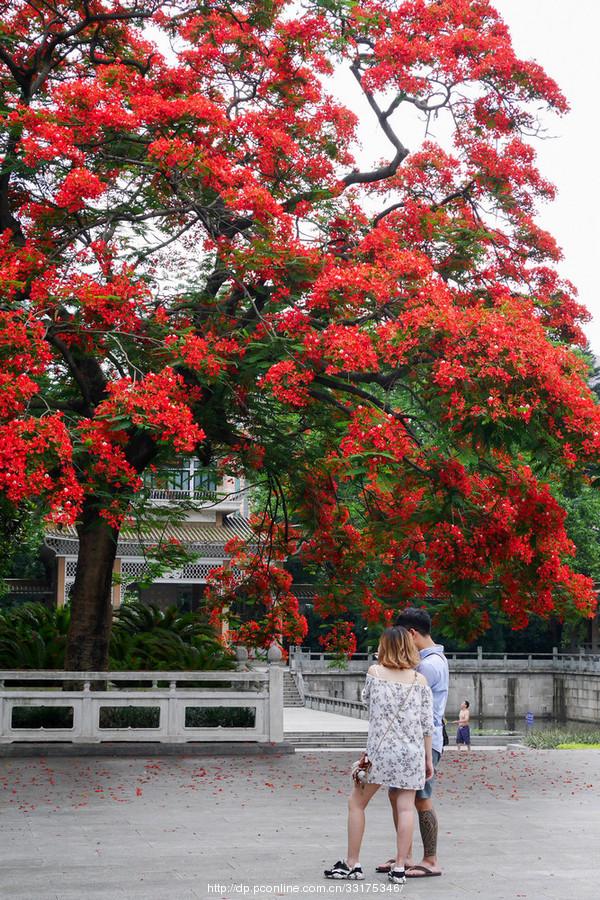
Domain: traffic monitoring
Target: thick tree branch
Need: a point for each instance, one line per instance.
(85, 370)
(347, 388)
(387, 171)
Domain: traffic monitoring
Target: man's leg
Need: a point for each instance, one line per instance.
(428, 827)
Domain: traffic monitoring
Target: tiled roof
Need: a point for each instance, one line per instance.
(305, 591)
(190, 533)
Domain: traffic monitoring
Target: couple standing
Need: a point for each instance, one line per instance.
(406, 693)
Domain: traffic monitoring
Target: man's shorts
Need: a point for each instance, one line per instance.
(427, 791)
(463, 735)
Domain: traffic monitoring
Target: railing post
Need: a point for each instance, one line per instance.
(88, 726)
(479, 653)
(300, 682)
(171, 711)
(275, 704)
(555, 653)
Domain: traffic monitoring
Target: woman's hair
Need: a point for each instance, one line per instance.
(397, 649)
(467, 704)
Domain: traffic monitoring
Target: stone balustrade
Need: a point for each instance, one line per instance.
(504, 686)
(88, 701)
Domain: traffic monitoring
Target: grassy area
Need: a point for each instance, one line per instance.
(564, 738)
(579, 746)
(480, 732)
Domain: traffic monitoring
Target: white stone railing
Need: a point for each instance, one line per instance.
(260, 691)
(302, 659)
(339, 705)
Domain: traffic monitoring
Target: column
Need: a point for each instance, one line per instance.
(60, 581)
(116, 587)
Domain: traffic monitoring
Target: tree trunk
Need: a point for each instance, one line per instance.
(91, 606)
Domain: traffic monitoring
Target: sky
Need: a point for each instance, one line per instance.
(563, 38)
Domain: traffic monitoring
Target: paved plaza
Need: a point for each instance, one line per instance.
(301, 718)
(513, 824)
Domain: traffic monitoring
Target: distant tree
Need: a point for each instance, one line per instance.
(21, 537)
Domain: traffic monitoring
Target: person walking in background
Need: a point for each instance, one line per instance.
(463, 732)
(434, 666)
(398, 754)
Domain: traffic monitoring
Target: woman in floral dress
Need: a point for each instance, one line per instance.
(398, 747)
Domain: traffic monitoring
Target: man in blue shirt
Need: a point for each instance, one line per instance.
(434, 666)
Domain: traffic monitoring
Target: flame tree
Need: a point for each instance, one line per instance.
(192, 261)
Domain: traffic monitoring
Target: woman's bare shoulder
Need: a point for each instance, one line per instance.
(372, 669)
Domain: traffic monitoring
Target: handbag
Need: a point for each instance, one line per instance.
(363, 765)
(361, 769)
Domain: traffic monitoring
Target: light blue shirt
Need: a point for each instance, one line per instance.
(434, 666)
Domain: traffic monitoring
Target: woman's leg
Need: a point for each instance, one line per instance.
(405, 807)
(357, 804)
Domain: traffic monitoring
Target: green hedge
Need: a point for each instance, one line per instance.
(33, 636)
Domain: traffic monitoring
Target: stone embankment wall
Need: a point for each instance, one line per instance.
(500, 690)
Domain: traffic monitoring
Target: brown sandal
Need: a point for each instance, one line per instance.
(427, 873)
(386, 867)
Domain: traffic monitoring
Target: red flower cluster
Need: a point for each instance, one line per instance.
(31, 449)
(340, 640)
(288, 383)
(376, 436)
(156, 403)
(79, 185)
(254, 601)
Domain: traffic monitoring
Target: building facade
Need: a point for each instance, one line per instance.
(215, 512)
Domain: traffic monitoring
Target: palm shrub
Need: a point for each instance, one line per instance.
(33, 636)
(146, 637)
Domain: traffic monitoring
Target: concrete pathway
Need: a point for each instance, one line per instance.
(300, 718)
(513, 824)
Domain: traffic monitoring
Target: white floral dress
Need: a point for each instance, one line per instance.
(397, 754)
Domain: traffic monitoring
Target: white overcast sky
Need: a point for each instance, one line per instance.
(563, 37)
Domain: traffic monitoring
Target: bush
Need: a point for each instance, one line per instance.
(226, 717)
(129, 717)
(552, 738)
(134, 717)
(33, 636)
(42, 717)
(143, 637)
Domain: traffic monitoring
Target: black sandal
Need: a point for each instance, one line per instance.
(341, 870)
(397, 875)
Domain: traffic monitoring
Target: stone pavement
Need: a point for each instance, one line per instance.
(513, 824)
(301, 718)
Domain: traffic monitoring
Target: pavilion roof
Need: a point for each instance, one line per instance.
(208, 538)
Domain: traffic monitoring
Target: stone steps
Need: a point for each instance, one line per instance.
(326, 739)
(358, 739)
(291, 694)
